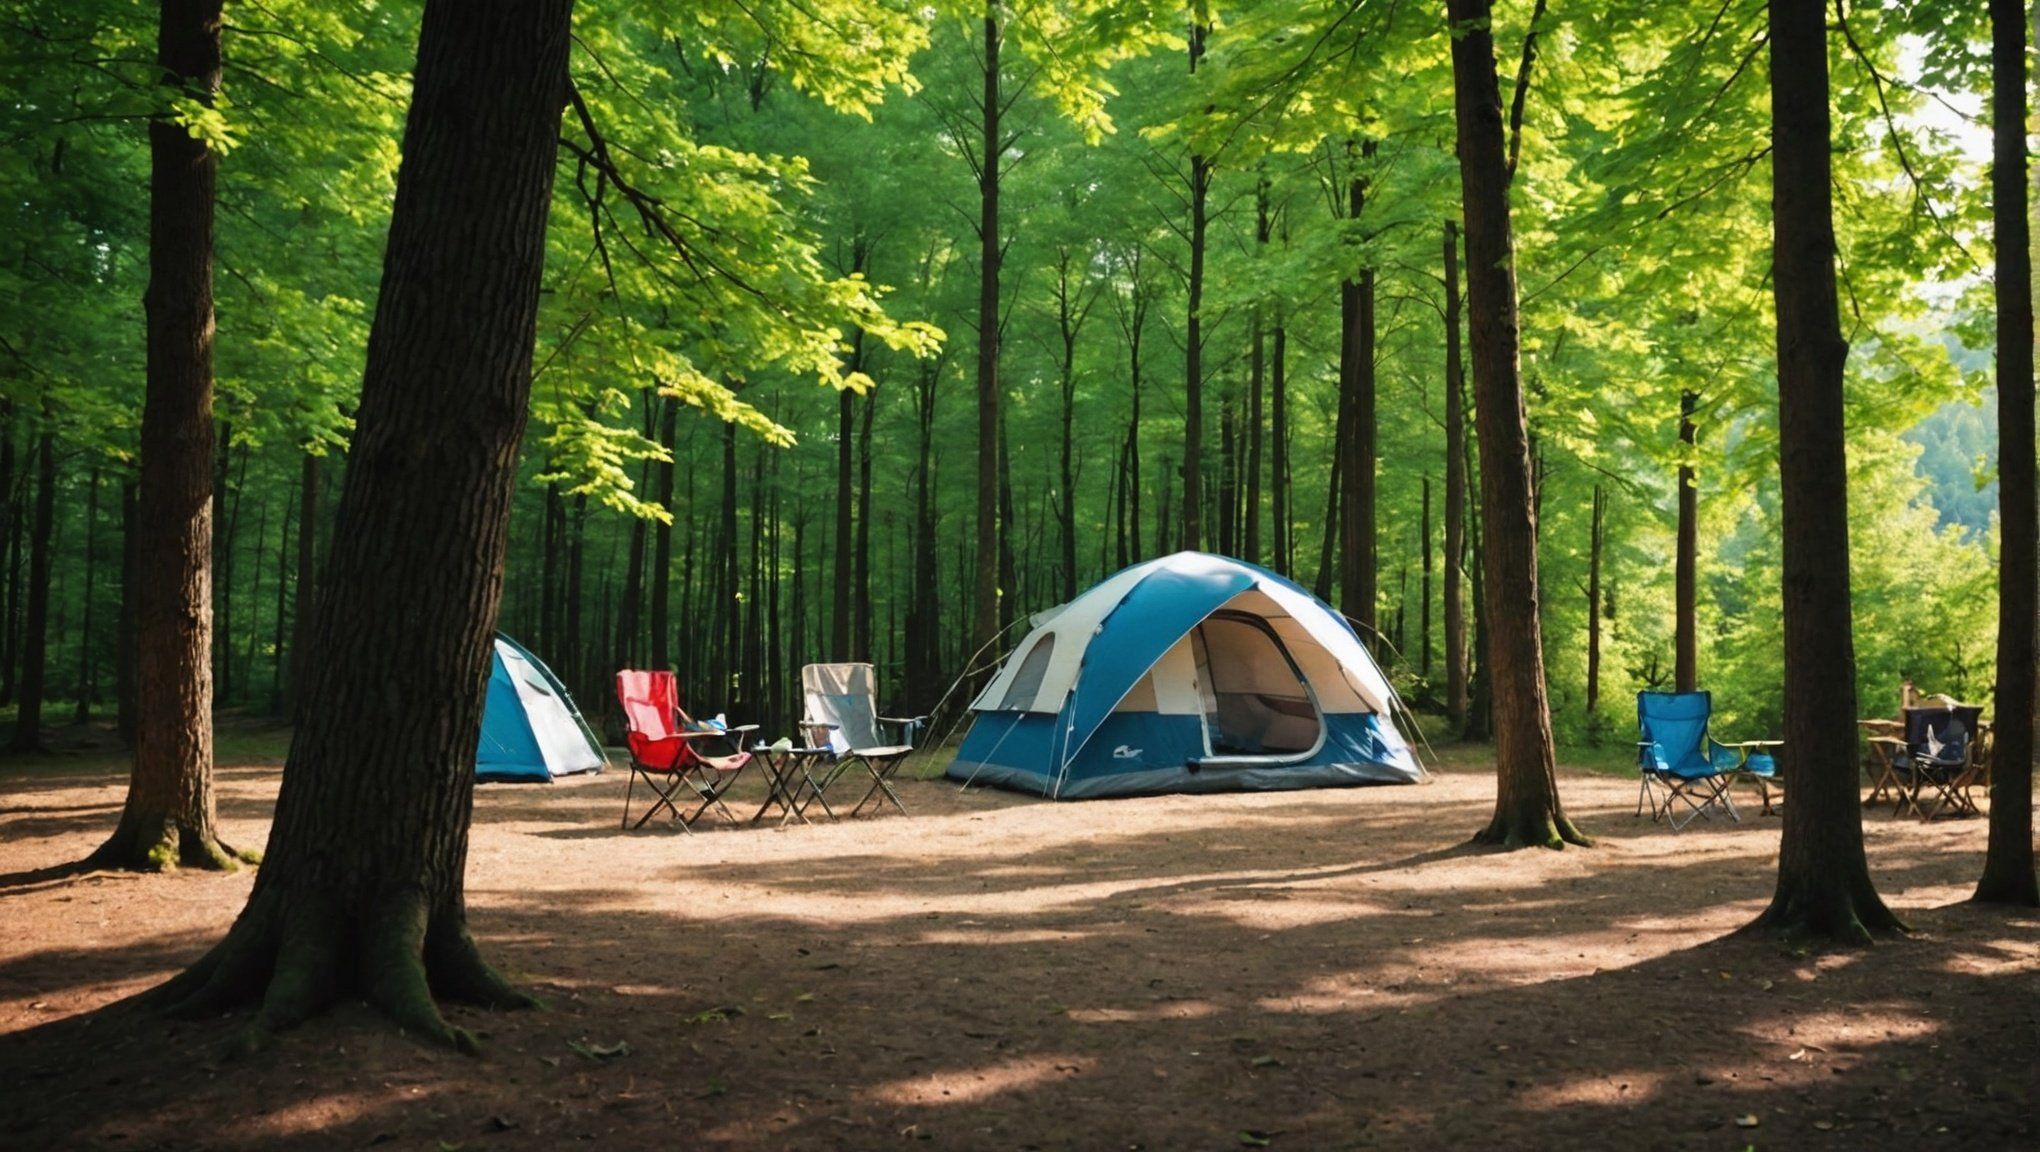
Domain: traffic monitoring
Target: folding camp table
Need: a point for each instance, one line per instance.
(789, 784)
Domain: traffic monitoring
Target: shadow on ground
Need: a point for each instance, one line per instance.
(1316, 970)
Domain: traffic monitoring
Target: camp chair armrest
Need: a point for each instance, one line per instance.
(716, 733)
(819, 724)
(902, 719)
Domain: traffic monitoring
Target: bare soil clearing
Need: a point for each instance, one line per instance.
(1324, 969)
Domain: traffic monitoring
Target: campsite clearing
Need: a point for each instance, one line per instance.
(1310, 969)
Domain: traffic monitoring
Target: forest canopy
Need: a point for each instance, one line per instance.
(754, 434)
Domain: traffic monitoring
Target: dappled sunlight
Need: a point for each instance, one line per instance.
(1864, 1025)
(1634, 1086)
(992, 937)
(973, 1085)
(1279, 909)
(1164, 1008)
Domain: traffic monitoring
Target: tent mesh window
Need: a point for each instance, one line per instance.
(1026, 683)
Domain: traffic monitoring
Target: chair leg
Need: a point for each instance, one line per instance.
(881, 787)
(664, 799)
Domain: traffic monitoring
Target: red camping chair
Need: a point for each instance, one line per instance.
(667, 749)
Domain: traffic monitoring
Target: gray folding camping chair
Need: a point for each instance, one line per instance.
(842, 716)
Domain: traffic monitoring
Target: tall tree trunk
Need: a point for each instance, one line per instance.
(36, 626)
(985, 608)
(1193, 333)
(662, 540)
(1426, 530)
(745, 702)
(1193, 367)
(1824, 886)
(222, 574)
(1455, 492)
(169, 815)
(2008, 876)
(280, 618)
(1480, 683)
(10, 629)
(1685, 582)
(728, 642)
(1328, 541)
(775, 713)
(10, 532)
(572, 649)
(1527, 808)
(552, 573)
(88, 682)
(1250, 535)
(1279, 490)
(305, 590)
(1226, 484)
(363, 885)
(254, 628)
(1070, 311)
(1009, 579)
(1598, 537)
(629, 635)
(860, 577)
(839, 569)
(1359, 575)
(125, 673)
(924, 618)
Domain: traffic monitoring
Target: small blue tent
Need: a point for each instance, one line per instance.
(531, 731)
(1191, 673)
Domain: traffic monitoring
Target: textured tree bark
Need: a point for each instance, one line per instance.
(88, 685)
(985, 610)
(629, 631)
(1480, 683)
(1455, 492)
(1193, 355)
(35, 626)
(168, 818)
(1193, 332)
(1250, 533)
(1425, 528)
(362, 887)
(1685, 578)
(1279, 491)
(726, 653)
(1359, 575)
(1069, 318)
(1824, 887)
(924, 619)
(124, 669)
(305, 589)
(1598, 536)
(2008, 876)
(1527, 808)
(860, 572)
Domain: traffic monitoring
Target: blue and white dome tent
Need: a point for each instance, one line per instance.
(1191, 673)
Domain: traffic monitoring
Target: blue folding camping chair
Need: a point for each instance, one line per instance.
(1679, 762)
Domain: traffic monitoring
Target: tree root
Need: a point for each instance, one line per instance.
(1550, 830)
(298, 962)
(164, 846)
(1842, 915)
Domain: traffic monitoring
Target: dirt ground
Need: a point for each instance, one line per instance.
(1326, 969)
